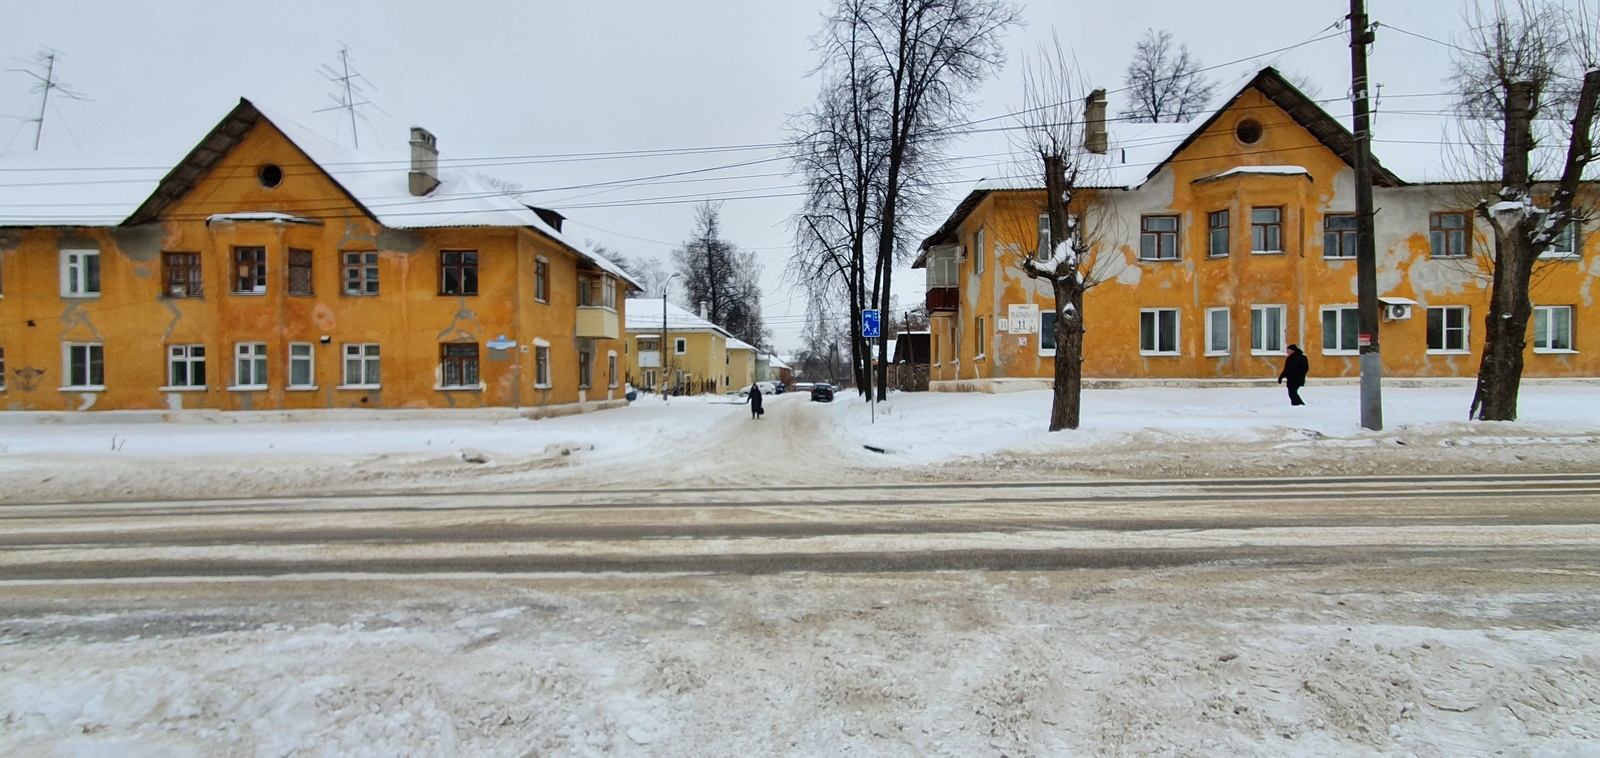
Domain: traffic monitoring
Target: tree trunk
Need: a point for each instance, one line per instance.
(1506, 324)
(1067, 398)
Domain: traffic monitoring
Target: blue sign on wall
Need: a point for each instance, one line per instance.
(870, 325)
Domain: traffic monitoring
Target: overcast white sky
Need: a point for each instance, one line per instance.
(540, 78)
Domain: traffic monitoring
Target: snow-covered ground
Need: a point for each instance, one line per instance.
(1156, 431)
(1430, 655)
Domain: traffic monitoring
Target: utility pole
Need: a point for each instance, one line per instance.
(1366, 248)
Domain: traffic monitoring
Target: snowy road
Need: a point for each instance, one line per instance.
(750, 530)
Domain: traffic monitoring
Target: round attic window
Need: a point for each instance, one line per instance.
(270, 175)
(1248, 131)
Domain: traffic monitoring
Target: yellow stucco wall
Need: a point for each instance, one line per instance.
(703, 360)
(1299, 278)
(135, 321)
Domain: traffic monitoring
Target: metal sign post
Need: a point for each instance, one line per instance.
(871, 328)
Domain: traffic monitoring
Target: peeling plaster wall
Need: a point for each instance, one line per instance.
(136, 322)
(1299, 279)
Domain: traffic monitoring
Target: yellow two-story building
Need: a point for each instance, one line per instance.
(700, 357)
(271, 269)
(1219, 243)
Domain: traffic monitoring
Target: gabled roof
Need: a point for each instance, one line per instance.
(1304, 111)
(644, 315)
(1135, 145)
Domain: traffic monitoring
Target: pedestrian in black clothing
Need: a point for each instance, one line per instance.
(1295, 368)
(755, 401)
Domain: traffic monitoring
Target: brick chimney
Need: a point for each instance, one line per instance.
(1095, 137)
(424, 161)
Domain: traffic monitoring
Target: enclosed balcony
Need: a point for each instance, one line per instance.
(944, 299)
(597, 306)
(944, 265)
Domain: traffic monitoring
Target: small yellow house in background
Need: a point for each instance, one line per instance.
(272, 269)
(1224, 240)
(701, 357)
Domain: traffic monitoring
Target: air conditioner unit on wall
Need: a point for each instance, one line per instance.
(1396, 312)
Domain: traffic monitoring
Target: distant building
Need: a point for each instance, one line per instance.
(698, 358)
(271, 269)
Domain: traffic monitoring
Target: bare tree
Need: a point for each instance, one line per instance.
(1065, 147)
(911, 65)
(648, 272)
(1530, 75)
(1164, 83)
(719, 276)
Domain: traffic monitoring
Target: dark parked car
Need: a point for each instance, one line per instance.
(822, 393)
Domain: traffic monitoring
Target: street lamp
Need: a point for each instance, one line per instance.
(665, 370)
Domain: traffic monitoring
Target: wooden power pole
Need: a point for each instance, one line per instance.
(1366, 248)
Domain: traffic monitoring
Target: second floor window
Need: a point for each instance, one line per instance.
(1447, 235)
(979, 251)
(182, 274)
(1044, 251)
(1266, 230)
(1217, 222)
(361, 273)
(1158, 238)
(1339, 235)
(80, 273)
(299, 272)
(596, 290)
(541, 280)
(250, 270)
(458, 272)
(1565, 245)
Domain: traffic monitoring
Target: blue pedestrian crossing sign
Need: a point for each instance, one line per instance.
(870, 325)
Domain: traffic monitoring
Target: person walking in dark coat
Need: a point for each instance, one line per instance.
(1295, 368)
(755, 401)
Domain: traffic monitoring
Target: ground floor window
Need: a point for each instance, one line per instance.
(1341, 328)
(1047, 332)
(541, 366)
(1552, 328)
(458, 365)
(1266, 329)
(585, 368)
(649, 379)
(361, 364)
(1218, 324)
(2, 369)
(186, 365)
(1447, 329)
(302, 369)
(1158, 331)
(84, 365)
(250, 365)
(611, 370)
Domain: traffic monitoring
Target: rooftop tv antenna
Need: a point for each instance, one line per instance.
(349, 95)
(47, 83)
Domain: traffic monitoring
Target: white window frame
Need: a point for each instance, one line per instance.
(69, 368)
(1572, 237)
(1177, 331)
(306, 353)
(611, 368)
(1212, 332)
(978, 251)
(1258, 341)
(75, 270)
(187, 357)
(1338, 333)
(541, 279)
(981, 334)
(1047, 315)
(1548, 342)
(1044, 252)
(249, 358)
(368, 357)
(680, 346)
(1444, 330)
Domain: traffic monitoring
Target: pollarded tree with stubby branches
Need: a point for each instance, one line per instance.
(1164, 82)
(1529, 76)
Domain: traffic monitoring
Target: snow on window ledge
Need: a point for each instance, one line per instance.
(479, 387)
(1443, 352)
(301, 387)
(85, 388)
(1152, 353)
(357, 386)
(182, 388)
(246, 387)
(1553, 351)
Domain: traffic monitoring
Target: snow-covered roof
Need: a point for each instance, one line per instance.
(1268, 170)
(59, 189)
(644, 315)
(734, 343)
(774, 361)
(282, 218)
